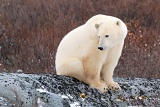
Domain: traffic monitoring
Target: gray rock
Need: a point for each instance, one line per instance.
(31, 90)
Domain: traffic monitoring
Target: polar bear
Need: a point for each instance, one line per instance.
(91, 52)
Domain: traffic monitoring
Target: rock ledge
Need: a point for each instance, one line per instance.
(32, 90)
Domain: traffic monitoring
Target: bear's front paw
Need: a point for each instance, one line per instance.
(100, 86)
(114, 86)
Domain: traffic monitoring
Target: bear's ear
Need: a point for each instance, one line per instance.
(97, 26)
(118, 22)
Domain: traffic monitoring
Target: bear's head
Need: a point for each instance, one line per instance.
(110, 33)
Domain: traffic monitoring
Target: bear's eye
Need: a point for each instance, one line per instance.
(107, 36)
(98, 36)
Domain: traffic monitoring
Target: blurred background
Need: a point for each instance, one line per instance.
(30, 31)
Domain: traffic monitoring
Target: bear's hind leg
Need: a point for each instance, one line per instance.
(72, 67)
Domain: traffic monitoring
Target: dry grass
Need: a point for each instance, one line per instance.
(31, 30)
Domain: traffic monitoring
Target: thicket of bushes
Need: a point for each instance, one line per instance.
(30, 31)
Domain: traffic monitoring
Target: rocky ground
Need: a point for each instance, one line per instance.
(32, 90)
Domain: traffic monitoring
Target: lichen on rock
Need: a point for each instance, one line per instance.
(43, 90)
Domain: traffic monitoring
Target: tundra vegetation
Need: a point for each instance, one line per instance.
(30, 31)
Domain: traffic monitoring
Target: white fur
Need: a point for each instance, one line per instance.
(78, 54)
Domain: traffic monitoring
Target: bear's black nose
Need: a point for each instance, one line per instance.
(100, 48)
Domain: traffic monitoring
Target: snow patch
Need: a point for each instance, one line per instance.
(68, 96)
(19, 71)
(75, 104)
(42, 90)
(40, 102)
(64, 96)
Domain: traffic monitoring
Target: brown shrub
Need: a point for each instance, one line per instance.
(31, 30)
